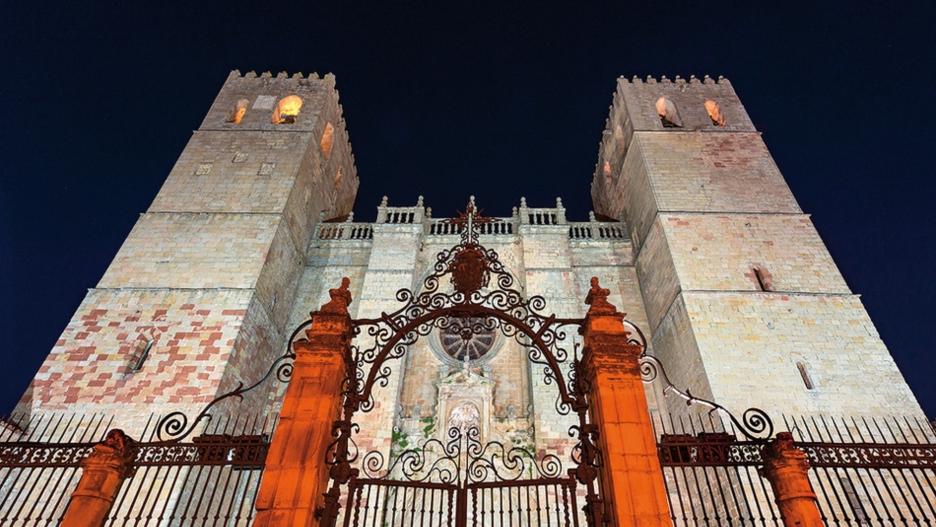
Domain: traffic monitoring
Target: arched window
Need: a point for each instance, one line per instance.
(804, 373)
(287, 109)
(240, 109)
(328, 137)
(668, 114)
(714, 113)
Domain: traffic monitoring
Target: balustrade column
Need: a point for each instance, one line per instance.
(296, 476)
(102, 474)
(786, 468)
(631, 477)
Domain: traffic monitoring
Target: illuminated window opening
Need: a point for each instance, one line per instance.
(668, 114)
(287, 110)
(240, 109)
(328, 137)
(714, 113)
(804, 373)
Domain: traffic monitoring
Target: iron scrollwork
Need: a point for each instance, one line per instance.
(462, 458)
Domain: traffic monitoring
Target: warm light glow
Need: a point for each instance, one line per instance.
(287, 109)
(714, 113)
(667, 112)
(328, 137)
(240, 109)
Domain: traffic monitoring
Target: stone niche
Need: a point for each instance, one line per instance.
(465, 400)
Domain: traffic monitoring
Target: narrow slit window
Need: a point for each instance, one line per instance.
(763, 279)
(804, 373)
(142, 353)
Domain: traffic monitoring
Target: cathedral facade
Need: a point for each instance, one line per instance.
(694, 232)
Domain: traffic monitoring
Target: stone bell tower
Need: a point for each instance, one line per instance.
(198, 297)
(744, 302)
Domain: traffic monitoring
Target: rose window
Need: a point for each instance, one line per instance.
(469, 340)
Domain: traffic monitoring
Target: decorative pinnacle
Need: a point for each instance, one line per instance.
(340, 299)
(384, 201)
(591, 216)
(523, 202)
(558, 203)
(471, 202)
(419, 201)
(350, 217)
(597, 299)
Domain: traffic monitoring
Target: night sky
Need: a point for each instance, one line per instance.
(98, 100)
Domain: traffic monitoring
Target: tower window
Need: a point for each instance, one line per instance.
(140, 355)
(287, 109)
(328, 137)
(714, 113)
(668, 114)
(804, 373)
(240, 109)
(764, 280)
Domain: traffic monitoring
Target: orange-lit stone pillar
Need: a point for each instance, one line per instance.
(295, 475)
(631, 478)
(102, 474)
(786, 468)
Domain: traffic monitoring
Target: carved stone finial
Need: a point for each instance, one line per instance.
(597, 299)
(419, 201)
(428, 212)
(340, 299)
(522, 202)
(115, 451)
(471, 202)
(558, 203)
(350, 217)
(782, 452)
(384, 201)
(591, 216)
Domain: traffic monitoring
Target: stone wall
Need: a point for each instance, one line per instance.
(740, 291)
(209, 273)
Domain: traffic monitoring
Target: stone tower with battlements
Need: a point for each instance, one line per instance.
(744, 302)
(198, 297)
(697, 236)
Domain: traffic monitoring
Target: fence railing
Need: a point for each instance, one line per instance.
(864, 471)
(211, 480)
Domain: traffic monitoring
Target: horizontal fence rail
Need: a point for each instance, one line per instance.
(212, 480)
(871, 471)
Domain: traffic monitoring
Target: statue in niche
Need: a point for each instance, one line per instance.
(464, 417)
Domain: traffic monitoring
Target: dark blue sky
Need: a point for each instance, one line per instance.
(98, 99)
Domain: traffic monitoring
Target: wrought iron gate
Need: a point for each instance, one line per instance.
(459, 482)
(483, 298)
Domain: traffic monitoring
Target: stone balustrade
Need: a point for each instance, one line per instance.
(499, 226)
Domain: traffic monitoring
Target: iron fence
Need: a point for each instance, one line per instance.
(865, 471)
(211, 480)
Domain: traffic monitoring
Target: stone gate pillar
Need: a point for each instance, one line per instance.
(295, 475)
(102, 474)
(786, 468)
(631, 477)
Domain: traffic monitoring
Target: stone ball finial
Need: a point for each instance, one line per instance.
(419, 201)
(523, 202)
